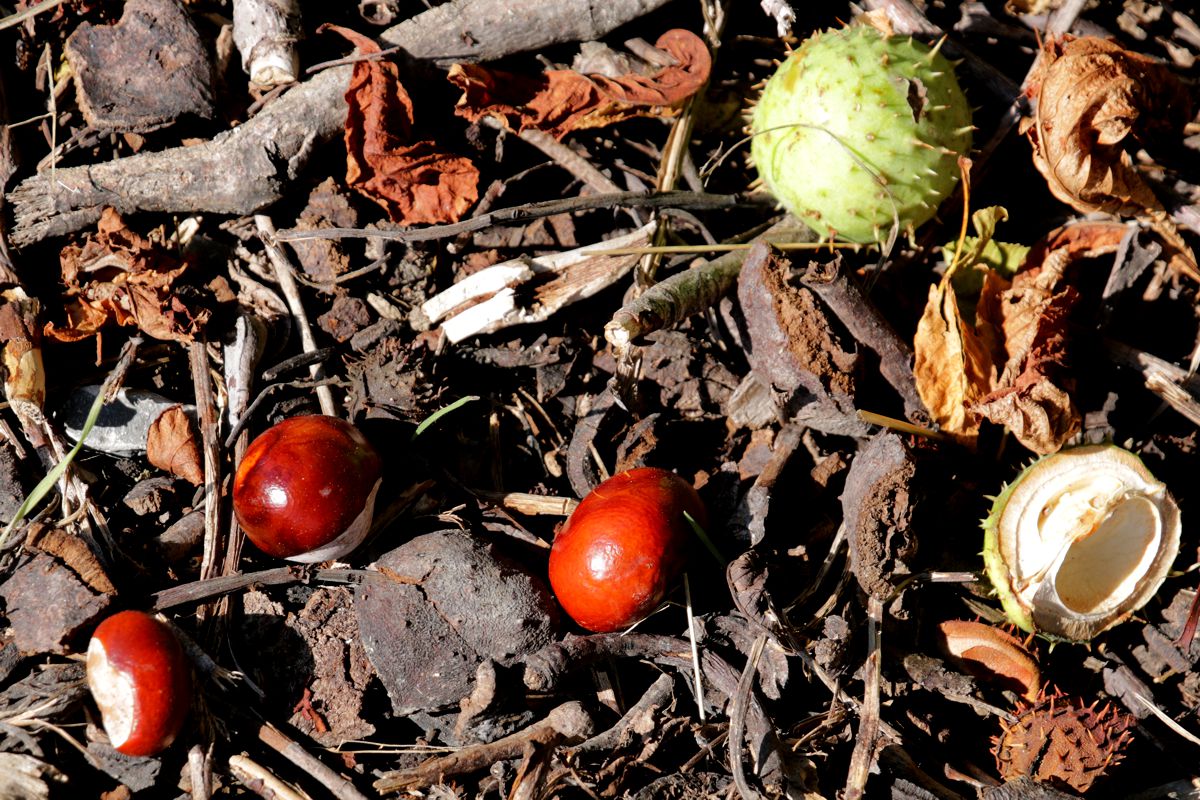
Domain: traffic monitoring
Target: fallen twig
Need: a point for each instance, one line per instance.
(529, 211)
(1173, 384)
(689, 292)
(570, 722)
(868, 713)
(285, 273)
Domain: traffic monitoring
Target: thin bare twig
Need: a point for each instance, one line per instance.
(286, 275)
(529, 211)
(339, 786)
(868, 713)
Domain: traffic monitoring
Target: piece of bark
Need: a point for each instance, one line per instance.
(1024, 789)
(26, 777)
(451, 601)
(862, 319)
(486, 30)
(137, 772)
(24, 369)
(793, 346)
(142, 73)
(47, 606)
(248, 168)
(12, 487)
(878, 507)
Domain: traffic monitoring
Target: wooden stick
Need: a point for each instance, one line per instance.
(286, 275)
(338, 785)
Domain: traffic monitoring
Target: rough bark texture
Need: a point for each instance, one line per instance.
(878, 506)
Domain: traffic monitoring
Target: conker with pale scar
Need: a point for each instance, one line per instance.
(624, 547)
(305, 490)
(139, 677)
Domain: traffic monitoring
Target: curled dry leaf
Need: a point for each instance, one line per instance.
(415, 181)
(560, 101)
(1091, 95)
(1010, 365)
(121, 276)
(991, 654)
(171, 445)
(1032, 393)
(953, 364)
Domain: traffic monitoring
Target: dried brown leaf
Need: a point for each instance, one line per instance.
(1031, 396)
(415, 181)
(560, 101)
(991, 654)
(121, 276)
(953, 364)
(172, 445)
(1090, 95)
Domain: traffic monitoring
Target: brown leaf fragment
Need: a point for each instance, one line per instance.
(1030, 400)
(560, 101)
(172, 445)
(1091, 96)
(119, 275)
(415, 181)
(1031, 396)
(991, 654)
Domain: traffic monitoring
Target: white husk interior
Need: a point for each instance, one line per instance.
(1091, 525)
(113, 692)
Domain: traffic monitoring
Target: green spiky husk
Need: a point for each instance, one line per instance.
(997, 570)
(855, 126)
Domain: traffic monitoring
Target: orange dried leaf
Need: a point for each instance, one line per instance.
(119, 275)
(1091, 95)
(991, 654)
(415, 181)
(560, 101)
(172, 445)
(953, 365)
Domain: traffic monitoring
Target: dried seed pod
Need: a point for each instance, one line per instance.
(1060, 741)
(1079, 541)
(991, 654)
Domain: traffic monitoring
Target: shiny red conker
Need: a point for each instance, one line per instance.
(623, 548)
(305, 490)
(140, 680)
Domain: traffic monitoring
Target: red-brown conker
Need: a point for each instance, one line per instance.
(140, 680)
(623, 547)
(305, 490)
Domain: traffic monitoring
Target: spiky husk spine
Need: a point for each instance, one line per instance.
(856, 130)
(1060, 741)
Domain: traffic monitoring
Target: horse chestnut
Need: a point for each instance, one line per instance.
(623, 547)
(139, 678)
(305, 490)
